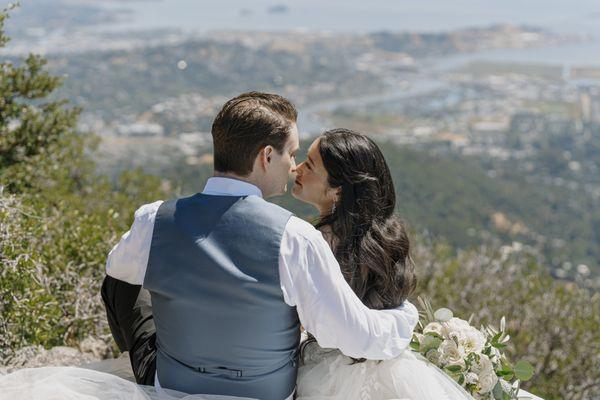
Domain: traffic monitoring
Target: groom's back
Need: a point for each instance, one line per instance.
(222, 324)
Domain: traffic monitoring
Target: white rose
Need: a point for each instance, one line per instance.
(456, 336)
(458, 324)
(433, 327)
(487, 381)
(487, 376)
(472, 340)
(451, 353)
(453, 327)
(471, 378)
(484, 365)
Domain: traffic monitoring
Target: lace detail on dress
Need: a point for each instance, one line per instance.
(371, 387)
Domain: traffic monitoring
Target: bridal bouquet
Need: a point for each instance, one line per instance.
(472, 357)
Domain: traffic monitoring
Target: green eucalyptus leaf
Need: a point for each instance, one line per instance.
(443, 315)
(495, 338)
(453, 368)
(506, 374)
(497, 392)
(523, 370)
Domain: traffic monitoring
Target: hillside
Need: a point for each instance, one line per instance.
(451, 198)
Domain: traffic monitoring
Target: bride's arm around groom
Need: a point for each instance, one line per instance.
(327, 306)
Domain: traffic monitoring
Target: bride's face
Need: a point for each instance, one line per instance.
(311, 185)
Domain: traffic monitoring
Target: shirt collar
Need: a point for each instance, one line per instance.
(219, 186)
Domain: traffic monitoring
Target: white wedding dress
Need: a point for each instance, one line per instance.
(328, 374)
(105, 380)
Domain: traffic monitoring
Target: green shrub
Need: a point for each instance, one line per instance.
(553, 324)
(58, 217)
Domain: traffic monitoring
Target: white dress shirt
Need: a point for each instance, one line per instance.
(310, 278)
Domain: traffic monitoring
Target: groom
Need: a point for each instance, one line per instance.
(231, 276)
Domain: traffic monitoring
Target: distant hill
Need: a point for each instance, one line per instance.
(454, 199)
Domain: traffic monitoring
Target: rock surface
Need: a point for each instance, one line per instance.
(90, 350)
(98, 348)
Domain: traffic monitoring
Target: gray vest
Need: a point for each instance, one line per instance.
(213, 275)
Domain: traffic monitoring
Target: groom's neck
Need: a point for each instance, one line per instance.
(249, 178)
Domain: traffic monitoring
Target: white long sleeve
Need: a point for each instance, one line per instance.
(328, 308)
(128, 259)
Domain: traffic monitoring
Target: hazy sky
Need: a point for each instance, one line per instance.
(347, 15)
(580, 16)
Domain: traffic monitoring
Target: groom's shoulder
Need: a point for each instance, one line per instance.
(267, 206)
(147, 210)
(295, 227)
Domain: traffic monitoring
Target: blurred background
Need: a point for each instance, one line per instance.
(488, 114)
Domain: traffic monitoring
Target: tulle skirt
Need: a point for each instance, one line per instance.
(72, 383)
(328, 374)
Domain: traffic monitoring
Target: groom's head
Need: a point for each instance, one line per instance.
(255, 137)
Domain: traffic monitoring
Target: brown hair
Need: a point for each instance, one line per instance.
(373, 246)
(246, 124)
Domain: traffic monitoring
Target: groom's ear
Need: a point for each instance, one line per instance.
(265, 156)
(268, 153)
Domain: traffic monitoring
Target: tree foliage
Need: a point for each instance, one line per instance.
(553, 324)
(58, 217)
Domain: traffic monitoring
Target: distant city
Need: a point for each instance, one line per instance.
(459, 93)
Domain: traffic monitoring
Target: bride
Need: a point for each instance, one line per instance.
(345, 176)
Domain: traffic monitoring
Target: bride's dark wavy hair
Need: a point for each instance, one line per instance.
(371, 242)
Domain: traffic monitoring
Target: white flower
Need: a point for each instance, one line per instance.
(457, 324)
(454, 335)
(451, 354)
(433, 327)
(483, 365)
(471, 377)
(487, 381)
(471, 339)
(487, 376)
(433, 356)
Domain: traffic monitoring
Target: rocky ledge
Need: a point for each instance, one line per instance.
(90, 350)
